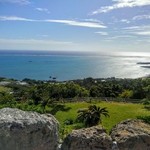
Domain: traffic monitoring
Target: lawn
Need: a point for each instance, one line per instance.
(117, 112)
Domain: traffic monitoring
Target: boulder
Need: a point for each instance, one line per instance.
(94, 138)
(132, 135)
(21, 130)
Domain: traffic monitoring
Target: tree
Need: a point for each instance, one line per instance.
(95, 91)
(147, 92)
(126, 94)
(92, 115)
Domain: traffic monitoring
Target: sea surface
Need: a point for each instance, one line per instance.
(44, 65)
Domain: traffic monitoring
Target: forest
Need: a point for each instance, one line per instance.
(34, 92)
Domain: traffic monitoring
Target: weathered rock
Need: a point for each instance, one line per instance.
(20, 130)
(132, 135)
(94, 138)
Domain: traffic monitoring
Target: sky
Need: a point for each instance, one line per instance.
(75, 25)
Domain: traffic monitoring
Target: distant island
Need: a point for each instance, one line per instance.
(145, 66)
(143, 63)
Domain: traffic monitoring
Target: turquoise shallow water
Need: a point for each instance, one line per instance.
(67, 66)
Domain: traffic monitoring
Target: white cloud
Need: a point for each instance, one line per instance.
(124, 21)
(14, 18)
(102, 33)
(140, 17)
(122, 4)
(43, 10)
(93, 20)
(67, 22)
(147, 33)
(120, 36)
(132, 28)
(139, 30)
(79, 23)
(21, 2)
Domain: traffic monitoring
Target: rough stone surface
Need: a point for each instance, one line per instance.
(132, 135)
(94, 138)
(20, 130)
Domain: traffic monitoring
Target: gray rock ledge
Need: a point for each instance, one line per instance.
(22, 130)
(132, 135)
(94, 138)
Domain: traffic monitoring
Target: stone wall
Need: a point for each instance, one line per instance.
(127, 135)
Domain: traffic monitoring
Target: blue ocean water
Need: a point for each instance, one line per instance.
(41, 65)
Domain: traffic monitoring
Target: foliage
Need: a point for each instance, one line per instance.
(147, 107)
(146, 101)
(59, 107)
(7, 99)
(126, 94)
(147, 91)
(144, 118)
(45, 92)
(113, 87)
(68, 121)
(4, 89)
(92, 115)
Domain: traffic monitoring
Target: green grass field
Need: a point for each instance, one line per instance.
(117, 111)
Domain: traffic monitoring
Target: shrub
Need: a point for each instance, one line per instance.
(144, 118)
(68, 121)
(92, 115)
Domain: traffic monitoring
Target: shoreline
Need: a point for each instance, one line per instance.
(5, 80)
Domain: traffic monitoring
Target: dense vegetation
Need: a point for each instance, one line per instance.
(49, 97)
(36, 95)
(44, 92)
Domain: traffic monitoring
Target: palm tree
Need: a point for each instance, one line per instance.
(92, 115)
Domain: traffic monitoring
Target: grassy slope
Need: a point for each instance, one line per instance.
(117, 112)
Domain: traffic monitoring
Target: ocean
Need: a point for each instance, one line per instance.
(44, 65)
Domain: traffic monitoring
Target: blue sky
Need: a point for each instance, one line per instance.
(75, 25)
